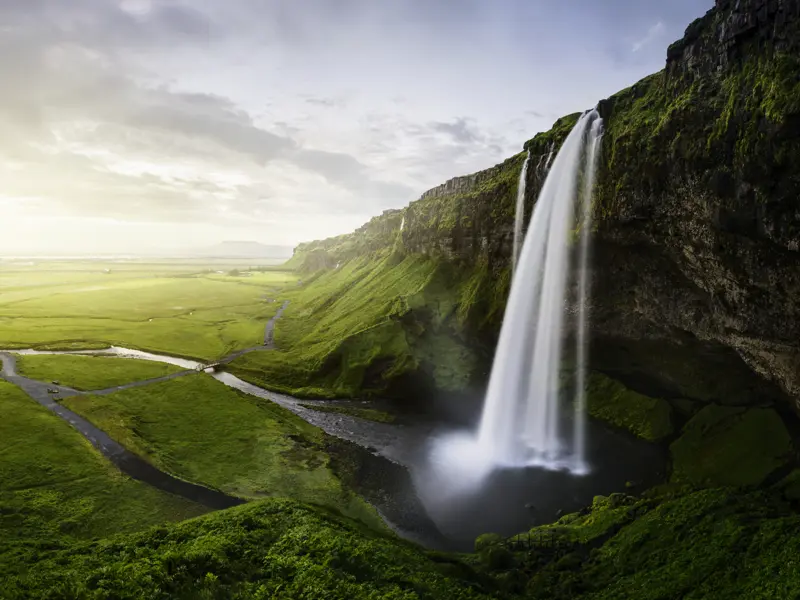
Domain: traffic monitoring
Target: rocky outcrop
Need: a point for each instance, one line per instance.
(463, 185)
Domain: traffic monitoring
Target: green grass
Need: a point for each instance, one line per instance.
(270, 550)
(355, 330)
(579, 528)
(91, 372)
(645, 417)
(715, 544)
(55, 487)
(162, 308)
(730, 446)
(200, 430)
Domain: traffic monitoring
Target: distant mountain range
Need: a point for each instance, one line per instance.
(244, 249)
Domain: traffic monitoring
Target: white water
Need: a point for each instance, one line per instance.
(520, 214)
(522, 422)
(592, 154)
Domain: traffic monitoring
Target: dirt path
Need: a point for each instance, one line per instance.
(125, 460)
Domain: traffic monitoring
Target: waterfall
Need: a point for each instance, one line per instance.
(520, 214)
(522, 419)
(592, 154)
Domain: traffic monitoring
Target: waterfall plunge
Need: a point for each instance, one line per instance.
(522, 422)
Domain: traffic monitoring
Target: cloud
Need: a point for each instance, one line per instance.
(461, 130)
(653, 34)
(288, 119)
(325, 102)
(96, 139)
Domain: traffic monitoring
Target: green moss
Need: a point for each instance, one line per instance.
(270, 549)
(715, 544)
(606, 514)
(666, 126)
(697, 546)
(551, 140)
(645, 417)
(730, 446)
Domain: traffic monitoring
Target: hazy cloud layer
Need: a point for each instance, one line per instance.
(283, 121)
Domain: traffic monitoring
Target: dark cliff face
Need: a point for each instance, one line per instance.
(699, 199)
(696, 276)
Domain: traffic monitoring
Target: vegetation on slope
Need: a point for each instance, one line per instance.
(272, 549)
(358, 329)
(718, 132)
(91, 372)
(203, 431)
(712, 544)
(55, 488)
(735, 125)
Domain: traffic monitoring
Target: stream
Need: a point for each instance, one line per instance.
(396, 456)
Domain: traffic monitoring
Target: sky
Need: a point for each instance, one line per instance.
(156, 125)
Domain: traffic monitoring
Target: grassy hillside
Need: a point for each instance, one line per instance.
(713, 544)
(55, 488)
(205, 432)
(91, 372)
(363, 327)
(272, 549)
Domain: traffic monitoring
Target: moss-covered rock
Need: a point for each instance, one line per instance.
(610, 401)
(730, 446)
(487, 540)
(712, 544)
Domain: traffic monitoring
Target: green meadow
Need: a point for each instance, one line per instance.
(202, 431)
(55, 488)
(91, 372)
(187, 310)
